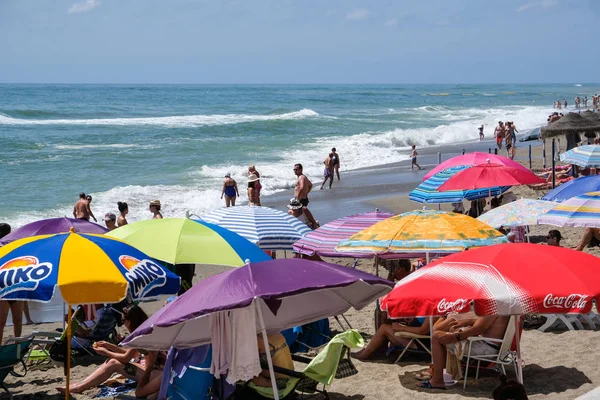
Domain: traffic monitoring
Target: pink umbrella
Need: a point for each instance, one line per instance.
(475, 158)
(488, 176)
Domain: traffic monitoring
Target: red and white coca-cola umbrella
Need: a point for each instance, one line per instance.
(504, 279)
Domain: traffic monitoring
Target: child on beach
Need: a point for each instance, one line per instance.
(414, 158)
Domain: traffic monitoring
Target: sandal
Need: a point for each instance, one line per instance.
(427, 385)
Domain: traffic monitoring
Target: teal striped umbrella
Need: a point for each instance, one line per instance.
(583, 156)
(427, 191)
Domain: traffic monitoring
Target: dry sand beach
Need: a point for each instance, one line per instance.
(558, 365)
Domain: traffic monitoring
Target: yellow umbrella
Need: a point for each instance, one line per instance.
(86, 268)
(423, 231)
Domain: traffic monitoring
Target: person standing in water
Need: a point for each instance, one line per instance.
(328, 171)
(336, 163)
(89, 207)
(253, 196)
(257, 185)
(155, 209)
(481, 135)
(123, 209)
(80, 209)
(110, 220)
(414, 158)
(230, 190)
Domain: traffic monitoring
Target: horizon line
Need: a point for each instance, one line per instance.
(292, 83)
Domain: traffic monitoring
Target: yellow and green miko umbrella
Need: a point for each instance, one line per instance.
(188, 241)
(86, 268)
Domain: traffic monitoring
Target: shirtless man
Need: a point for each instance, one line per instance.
(80, 209)
(303, 186)
(499, 134)
(447, 332)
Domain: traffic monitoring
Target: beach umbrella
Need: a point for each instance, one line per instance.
(507, 279)
(574, 187)
(580, 211)
(427, 191)
(584, 156)
(283, 293)
(570, 123)
(470, 159)
(187, 241)
(517, 213)
(86, 269)
(267, 228)
(488, 176)
(323, 240)
(423, 231)
(52, 226)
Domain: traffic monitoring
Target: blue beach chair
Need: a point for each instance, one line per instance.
(11, 355)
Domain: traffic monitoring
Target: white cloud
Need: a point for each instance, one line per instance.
(358, 14)
(537, 5)
(391, 22)
(83, 6)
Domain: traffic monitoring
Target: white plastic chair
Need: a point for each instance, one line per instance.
(505, 355)
(553, 320)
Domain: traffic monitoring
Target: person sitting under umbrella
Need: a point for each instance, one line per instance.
(591, 236)
(119, 360)
(554, 237)
(451, 336)
(281, 357)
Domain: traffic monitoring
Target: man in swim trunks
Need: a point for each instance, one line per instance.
(80, 209)
(303, 186)
(336, 162)
(499, 134)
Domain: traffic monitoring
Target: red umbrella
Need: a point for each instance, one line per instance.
(489, 175)
(475, 158)
(505, 279)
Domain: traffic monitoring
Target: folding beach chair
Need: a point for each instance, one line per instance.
(334, 361)
(418, 340)
(12, 354)
(506, 354)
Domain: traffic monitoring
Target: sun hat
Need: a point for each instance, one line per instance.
(155, 203)
(294, 204)
(228, 175)
(110, 217)
(253, 178)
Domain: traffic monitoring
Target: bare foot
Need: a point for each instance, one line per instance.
(361, 355)
(73, 390)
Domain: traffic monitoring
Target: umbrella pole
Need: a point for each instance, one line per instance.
(519, 363)
(68, 360)
(267, 352)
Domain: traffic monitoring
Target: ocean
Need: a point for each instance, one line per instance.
(136, 143)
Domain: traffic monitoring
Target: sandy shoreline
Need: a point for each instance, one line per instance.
(558, 365)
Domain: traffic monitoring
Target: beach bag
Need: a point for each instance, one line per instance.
(345, 368)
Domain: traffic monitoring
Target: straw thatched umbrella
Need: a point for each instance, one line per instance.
(571, 123)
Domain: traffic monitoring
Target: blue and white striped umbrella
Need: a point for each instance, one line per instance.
(427, 191)
(269, 229)
(583, 156)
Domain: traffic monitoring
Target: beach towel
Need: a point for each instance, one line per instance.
(324, 366)
(115, 388)
(245, 363)
(220, 330)
(453, 358)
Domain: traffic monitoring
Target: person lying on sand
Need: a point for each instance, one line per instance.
(448, 333)
(146, 370)
(591, 236)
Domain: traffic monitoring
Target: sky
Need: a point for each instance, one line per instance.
(299, 41)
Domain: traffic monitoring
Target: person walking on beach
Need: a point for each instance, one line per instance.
(499, 134)
(481, 135)
(123, 209)
(414, 158)
(155, 209)
(257, 184)
(80, 209)
(303, 185)
(336, 162)
(230, 190)
(253, 196)
(110, 220)
(328, 171)
(89, 207)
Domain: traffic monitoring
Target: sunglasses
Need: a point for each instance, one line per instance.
(296, 169)
(550, 237)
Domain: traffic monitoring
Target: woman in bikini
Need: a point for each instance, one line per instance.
(281, 356)
(123, 210)
(155, 209)
(253, 193)
(119, 359)
(230, 190)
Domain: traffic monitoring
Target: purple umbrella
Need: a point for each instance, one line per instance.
(53, 226)
(292, 291)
